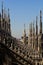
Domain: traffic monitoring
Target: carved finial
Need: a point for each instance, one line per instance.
(40, 21)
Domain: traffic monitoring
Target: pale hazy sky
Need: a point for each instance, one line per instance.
(22, 11)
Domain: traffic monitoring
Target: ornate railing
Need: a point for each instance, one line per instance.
(14, 56)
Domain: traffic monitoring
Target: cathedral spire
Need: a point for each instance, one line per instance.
(2, 9)
(0, 15)
(33, 36)
(33, 29)
(24, 34)
(8, 13)
(40, 22)
(36, 37)
(30, 34)
(36, 26)
(24, 30)
(9, 21)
